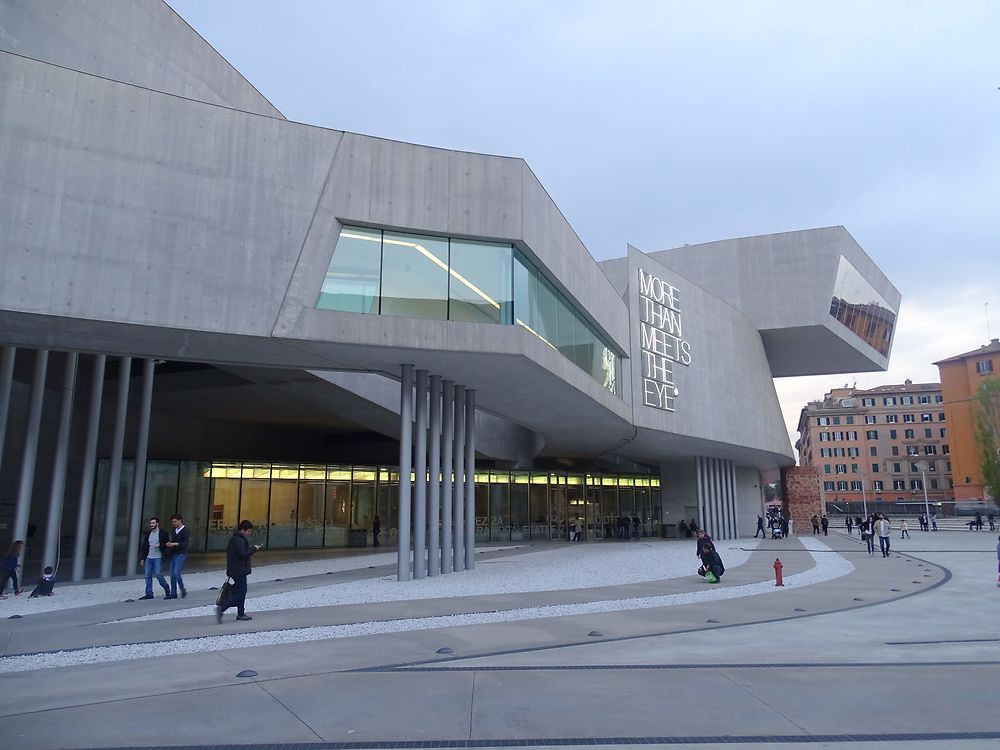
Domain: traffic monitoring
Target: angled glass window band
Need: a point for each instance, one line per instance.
(480, 285)
(375, 271)
(352, 280)
(414, 276)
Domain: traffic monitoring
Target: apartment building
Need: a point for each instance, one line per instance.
(883, 446)
(961, 378)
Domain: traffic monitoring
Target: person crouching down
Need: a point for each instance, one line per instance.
(711, 564)
(44, 587)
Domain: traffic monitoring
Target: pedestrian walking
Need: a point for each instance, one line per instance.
(933, 520)
(998, 561)
(376, 530)
(904, 532)
(868, 534)
(760, 527)
(824, 523)
(991, 517)
(154, 547)
(11, 562)
(882, 528)
(815, 523)
(238, 555)
(979, 521)
(850, 524)
(180, 539)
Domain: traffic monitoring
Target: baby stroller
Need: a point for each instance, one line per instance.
(776, 530)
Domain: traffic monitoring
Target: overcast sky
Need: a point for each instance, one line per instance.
(663, 123)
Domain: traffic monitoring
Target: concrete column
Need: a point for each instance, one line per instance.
(458, 495)
(27, 482)
(57, 490)
(434, 488)
(89, 464)
(139, 475)
(6, 381)
(447, 469)
(420, 488)
(405, 463)
(115, 470)
(470, 479)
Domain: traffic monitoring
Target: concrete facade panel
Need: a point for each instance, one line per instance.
(140, 42)
(132, 206)
(726, 395)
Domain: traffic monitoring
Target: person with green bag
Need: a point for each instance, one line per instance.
(711, 564)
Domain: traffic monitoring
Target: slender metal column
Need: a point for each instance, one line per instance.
(434, 488)
(139, 476)
(6, 381)
(115, 472)
(458, 495)
(27, 482)
(447, 468)
(470, 479)
(420, 488)
(53, 526)
(405, 462)
(89, 464)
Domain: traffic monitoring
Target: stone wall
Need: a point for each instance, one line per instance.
(800, 490)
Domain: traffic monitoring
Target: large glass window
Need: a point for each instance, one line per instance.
(480, 285)
(419, 276)
(352, 280)
(253, 498)
(312, 482)
(284, 499)
(414, 276)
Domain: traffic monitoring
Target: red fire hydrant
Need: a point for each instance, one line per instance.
(777, 572)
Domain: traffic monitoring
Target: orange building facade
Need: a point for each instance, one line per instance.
(961, 377)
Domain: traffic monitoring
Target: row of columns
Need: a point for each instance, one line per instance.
(717, 497)
(57, 487)
(437, 443)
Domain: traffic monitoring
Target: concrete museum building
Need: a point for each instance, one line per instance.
(209, 309)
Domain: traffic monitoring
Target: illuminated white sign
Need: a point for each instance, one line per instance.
(661, 340)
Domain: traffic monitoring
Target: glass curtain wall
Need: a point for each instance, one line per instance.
(306, 505)
(439, 278)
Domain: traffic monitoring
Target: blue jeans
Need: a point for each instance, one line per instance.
(154, 567)
(176, 566)
(883, 543)
(239, 596)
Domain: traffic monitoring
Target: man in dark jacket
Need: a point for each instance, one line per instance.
(238, 555)
(711, 564)
(154, 550)
(180, 538)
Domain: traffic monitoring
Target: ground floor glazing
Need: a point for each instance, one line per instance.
(309, 505)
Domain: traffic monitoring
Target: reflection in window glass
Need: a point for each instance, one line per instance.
(352, 280)
(480, 284)
(414, 276)
(310, 506)
(284, 499)
(253, 499)
(864, 311)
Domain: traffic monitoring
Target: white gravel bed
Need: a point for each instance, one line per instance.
(88, 594)
(575, 566)
(827, 567)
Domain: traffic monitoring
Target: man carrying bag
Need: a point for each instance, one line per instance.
(238, 555)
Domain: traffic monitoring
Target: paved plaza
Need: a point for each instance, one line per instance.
(856, 652)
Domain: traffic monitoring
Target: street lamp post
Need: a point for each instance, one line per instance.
(923, 483)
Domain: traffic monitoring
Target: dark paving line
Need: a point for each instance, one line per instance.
(570, 644)
(782, 665)
(930, 643)
(597, 741)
